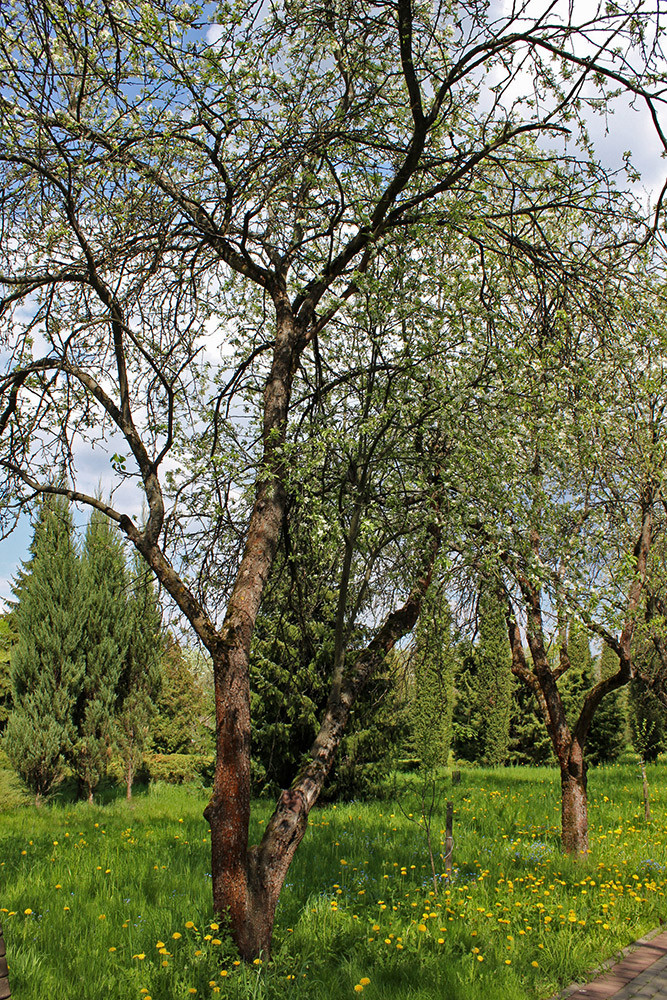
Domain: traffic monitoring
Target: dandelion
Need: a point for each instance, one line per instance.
(216, 941)
(27, 912)
(190, 924)
(535, 965)
(214, 927)
(364, 981)
(112, 948)
(141, 956)
(358, 988)
(176, 935)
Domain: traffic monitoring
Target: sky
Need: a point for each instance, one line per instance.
(625, 129)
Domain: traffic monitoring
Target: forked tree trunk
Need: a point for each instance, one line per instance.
(247, 881)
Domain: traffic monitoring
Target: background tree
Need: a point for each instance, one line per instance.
(140, 679)
(433, 666)
(135, 224)
(608, 737)
(494, 677)
(181, 707)
(8, 638)
(47, 665)
(106, 625)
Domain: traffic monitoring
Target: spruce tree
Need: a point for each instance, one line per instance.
(8, 638)
(106, 619)
(47, 665)
(433, 663)
(140, 679)
(607, 736)
(494, 677)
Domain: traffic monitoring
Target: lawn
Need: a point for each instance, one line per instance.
(115, 900)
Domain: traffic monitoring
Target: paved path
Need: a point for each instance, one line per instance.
(640, 975)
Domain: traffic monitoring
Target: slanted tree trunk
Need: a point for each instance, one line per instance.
(4, 970)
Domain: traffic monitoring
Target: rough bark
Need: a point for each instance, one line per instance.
(4, 970)
(574, 802)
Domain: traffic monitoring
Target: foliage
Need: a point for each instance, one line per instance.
(179, 726)
(140, 679)
(494, 678)
(529, 741)
(648, 724)
(8, 638)
(433, 664)
(47, 665)
(105, 616)
(607, 737)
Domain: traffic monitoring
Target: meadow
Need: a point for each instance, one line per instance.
(114, 900)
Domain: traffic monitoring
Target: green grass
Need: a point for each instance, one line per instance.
(92, 896)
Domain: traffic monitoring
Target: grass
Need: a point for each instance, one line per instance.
(115, 900)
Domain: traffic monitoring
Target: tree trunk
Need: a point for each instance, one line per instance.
(128, 778)
(4, 970)
(574, 804)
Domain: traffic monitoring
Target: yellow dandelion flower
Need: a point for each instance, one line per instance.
(535, 965)
(224, 973)
(27, 912)
(421, 927)
(358, 988)
(176, 935)
(112, 948)
(140, 956)
(364, 981)
(216, 941)
(190, 924)
(214, 927)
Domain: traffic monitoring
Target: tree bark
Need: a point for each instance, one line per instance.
(574, 803)
(4, 970)
(128, 779)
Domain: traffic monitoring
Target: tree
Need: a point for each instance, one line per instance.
(47, 665)
(104, 613)
(607, 738)
(494, 678)
(140, 680)
(8, 639)
(181, 704)
(433, 666)
(163, 177)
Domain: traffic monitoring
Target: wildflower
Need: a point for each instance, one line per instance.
(216, 941)
(140, 956)
(176, 935)
(27, 912)
(112, 948)
(364, 981)
(535, 965)
(214, 927)
(358, 988)
(190, 924)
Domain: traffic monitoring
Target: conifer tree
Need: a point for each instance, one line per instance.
(580, 677)
(607, 735)
(106, 619)
(47, 665)
(494, 679)
(140, 679)
(433, 700)
(8, 638)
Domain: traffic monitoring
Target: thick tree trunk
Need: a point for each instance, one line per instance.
(574, 803)
(4, 971)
